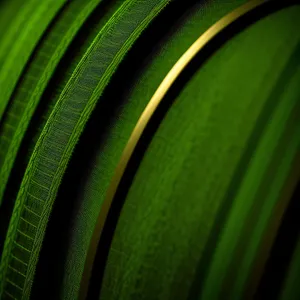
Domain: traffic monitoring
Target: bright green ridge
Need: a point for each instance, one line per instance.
(34, 81)
(26, 31)
(73, 276)
(189, 166)
(291, 288)
(59, 137)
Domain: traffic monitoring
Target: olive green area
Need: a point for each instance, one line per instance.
(8, 11)
(13, 16)
(19, 41)
(58, 138)
(258, 194)
(224, 123)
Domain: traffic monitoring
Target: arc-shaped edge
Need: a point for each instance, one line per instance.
(208, 36)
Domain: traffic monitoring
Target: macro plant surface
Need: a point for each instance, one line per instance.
(149, 149)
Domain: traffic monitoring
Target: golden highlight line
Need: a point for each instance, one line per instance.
(146, 116)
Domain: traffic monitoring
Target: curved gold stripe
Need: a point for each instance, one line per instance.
(146, 116)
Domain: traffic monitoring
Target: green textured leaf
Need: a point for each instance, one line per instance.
(205, 202)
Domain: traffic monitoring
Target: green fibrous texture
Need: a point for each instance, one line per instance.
(59, 136)
(200, 210)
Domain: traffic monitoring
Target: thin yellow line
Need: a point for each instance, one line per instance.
(158, 96)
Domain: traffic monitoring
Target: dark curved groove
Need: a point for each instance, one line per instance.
(131, 67)
(282, 252)
(50, 268)
(24, 152)
(131, 169)
(263, 119)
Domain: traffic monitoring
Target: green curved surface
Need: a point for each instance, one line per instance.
(266, 173)
(186, 173)
(25, 33)
(8, 11)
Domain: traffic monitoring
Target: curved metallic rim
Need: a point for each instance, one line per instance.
(145, 118)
